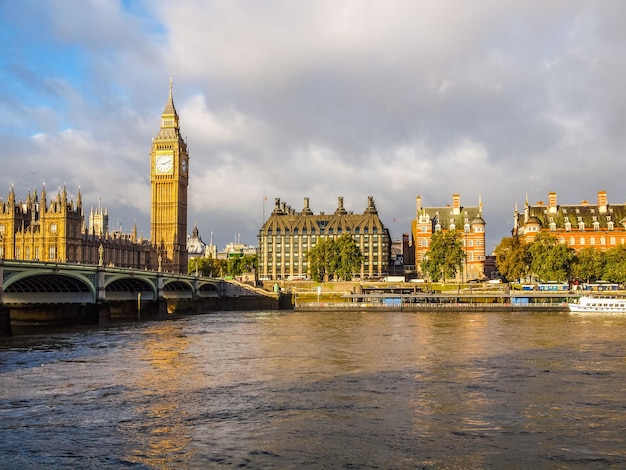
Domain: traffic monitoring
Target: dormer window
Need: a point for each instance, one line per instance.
(596, 225)
(552, 226)
(581, 226)
(609, 225)
(568, 226)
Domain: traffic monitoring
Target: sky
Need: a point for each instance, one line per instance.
(499, 100)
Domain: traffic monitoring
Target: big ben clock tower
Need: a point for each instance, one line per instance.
(169, 177)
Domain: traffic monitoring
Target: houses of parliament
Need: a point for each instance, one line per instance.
(53, 228)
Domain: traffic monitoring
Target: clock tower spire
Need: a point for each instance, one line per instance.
(169, 178)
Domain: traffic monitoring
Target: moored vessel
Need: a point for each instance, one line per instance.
(599, 304)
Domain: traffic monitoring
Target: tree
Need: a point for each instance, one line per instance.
(615, 264)
(334, 257)
(237, 265)
(513, 258)
(445, 257)
(202, 265)
(319, 258)
(551, 260)
(588, 264)
(350, 257)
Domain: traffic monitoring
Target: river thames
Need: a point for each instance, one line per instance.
(357, 390)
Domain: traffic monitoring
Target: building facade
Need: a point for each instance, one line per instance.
(287, 235)
(169, 178)
(584, 225)
(466, 220)
(40, 230)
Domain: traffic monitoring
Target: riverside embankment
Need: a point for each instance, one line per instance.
(422, 297)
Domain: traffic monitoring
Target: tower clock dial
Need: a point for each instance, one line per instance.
(164, 163)
(183, 166)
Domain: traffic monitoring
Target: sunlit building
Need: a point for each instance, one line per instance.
(287, 235)
(584, 225)
(42, 229)
(38, 229)
(467, 221)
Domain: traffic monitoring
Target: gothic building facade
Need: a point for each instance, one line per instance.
(39, 229)
(287, 235)
(584, 225)
(54, 229)
(466, 220)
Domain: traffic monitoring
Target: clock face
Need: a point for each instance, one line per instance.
(164, 163)
(183, 166)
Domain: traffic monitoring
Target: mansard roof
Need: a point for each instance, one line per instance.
(286, 220)
(559, 215)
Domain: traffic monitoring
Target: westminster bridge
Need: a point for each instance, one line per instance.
(51, 293)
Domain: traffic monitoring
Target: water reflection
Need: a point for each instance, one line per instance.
(163, 377)
(320, 390)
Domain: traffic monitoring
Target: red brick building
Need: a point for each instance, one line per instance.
(467, 220)
(584, 225)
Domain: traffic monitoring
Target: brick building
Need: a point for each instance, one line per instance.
(467, 220)
(584, 225)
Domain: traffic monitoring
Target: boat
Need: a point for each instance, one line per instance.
(599, 304)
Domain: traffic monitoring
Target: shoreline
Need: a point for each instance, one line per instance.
(432, 307)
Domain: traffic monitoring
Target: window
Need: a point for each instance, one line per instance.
(2, 229)
(568, 226)
(53, 228)
(582, 240)
(52, 253)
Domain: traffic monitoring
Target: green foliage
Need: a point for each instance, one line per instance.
(513, 258)
(589, 264)
(208, 267)
(350, 257)
(551, 260)
(445, 257)
(237, 265)
(339, 257)
(615, 264)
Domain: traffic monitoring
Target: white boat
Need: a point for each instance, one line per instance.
(599, 304)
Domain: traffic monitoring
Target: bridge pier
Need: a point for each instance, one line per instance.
(104, 314)
(5, 321)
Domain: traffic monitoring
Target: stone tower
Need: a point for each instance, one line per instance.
(169, 176)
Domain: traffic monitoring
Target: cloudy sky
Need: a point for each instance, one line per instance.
(293, 99)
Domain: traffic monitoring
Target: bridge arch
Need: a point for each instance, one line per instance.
(44, 286)
(124, 287)
(178, 288)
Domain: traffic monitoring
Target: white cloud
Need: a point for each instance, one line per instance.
(318, 99)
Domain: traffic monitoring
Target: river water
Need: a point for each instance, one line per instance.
(352, 390)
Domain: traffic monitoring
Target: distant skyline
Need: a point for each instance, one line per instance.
(319, 99)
